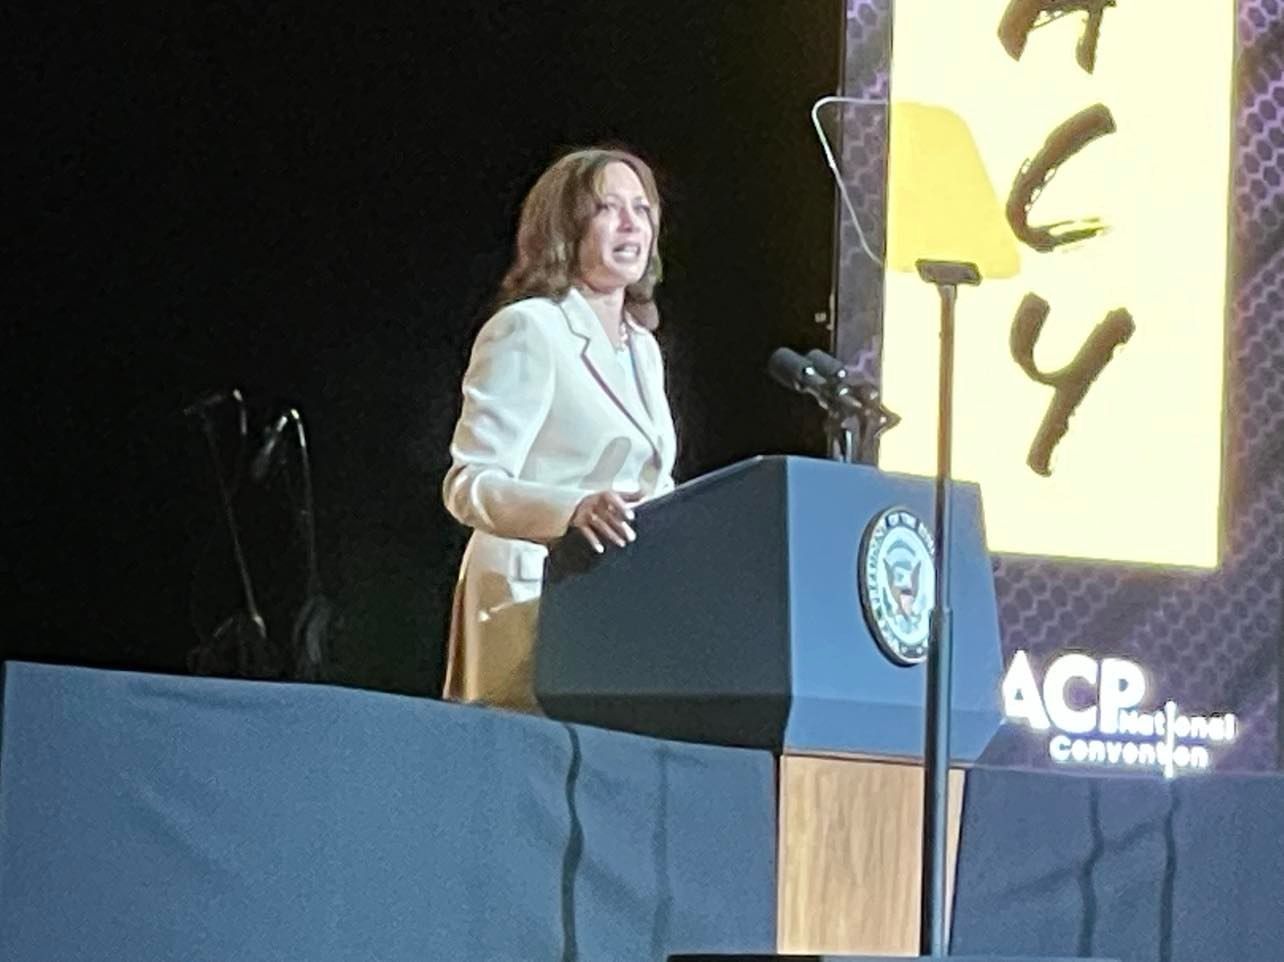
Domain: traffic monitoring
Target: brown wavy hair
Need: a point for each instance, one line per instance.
(555, 217)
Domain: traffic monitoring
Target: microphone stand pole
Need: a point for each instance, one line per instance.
(842, 439)
(253, 623)
(947, 276)
(312, 625)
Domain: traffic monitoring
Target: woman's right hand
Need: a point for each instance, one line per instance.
(605, 515)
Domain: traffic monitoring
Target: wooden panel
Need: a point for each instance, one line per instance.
(850, 834)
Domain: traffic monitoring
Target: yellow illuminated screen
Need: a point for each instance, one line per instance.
(1137, 474)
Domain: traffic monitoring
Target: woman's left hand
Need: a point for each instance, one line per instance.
(606, 515)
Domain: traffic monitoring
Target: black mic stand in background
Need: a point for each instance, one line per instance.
(313, 622)
(244, 632)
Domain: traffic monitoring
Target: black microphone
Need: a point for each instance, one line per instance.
(862, 394)
(790, 369)
(826, 365)
(836, 372)
(263, 459)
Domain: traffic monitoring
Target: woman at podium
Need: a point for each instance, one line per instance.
(564, 423)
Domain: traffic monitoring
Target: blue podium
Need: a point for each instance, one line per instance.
(737, 617)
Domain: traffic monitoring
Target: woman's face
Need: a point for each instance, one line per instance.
(617, 244)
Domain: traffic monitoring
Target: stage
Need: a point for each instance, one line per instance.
(165, 818)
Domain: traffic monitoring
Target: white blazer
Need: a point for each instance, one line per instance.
(548, 417)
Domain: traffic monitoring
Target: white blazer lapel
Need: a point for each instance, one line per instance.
(599, 355)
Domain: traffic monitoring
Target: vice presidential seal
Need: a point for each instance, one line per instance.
(897, 582)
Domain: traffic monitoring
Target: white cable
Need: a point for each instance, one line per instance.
(833, 163)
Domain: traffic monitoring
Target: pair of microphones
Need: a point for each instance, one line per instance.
(855, 417)
(823, 377)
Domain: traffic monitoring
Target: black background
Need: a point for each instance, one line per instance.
(314, 203)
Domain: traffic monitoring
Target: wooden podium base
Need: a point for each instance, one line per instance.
(849, 853)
